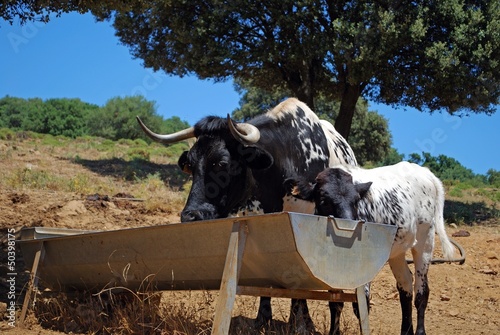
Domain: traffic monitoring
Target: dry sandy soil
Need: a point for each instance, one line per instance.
(465, 299)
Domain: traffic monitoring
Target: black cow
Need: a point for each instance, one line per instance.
(242, 166)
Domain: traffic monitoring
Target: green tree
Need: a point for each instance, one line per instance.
(430, 55)
(116, 119)
(29, 10)
(445, 168)
(255, 101)
(392, 157)
(410, 53)
(54, 116)
(66, 117)
(370, 137)
(493, 177)
(12, 112)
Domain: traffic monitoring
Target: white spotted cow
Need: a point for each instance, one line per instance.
(406, 195)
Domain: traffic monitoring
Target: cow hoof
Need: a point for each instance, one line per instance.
(261, 324)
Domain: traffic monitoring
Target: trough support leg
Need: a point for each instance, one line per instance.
(363, 311)
(230, 276)
(33, 284)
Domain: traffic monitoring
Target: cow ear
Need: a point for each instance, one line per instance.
(257, 158)
(290, 186)
(299, 189)
(183, 163)
(363, 188)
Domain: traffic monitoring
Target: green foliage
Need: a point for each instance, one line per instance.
(493, 177)
(340, 50)
(446, 168)
(370, 138)
(392, 157)
(24, 11)
(66, 117)
(255, 101)
(430, 55)
(6, 134)
(117, 118)
(460, 181)
(75, 118)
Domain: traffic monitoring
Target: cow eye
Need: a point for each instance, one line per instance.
(187, 168)
(220, 164)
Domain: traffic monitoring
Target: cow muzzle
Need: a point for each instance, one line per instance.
(190, 215)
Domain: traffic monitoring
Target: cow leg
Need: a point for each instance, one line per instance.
(422, 254)
(300, 321)
(404, 284)
(265, 313)
(335, 312)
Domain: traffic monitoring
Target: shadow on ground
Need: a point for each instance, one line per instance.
(469, 213)
(136, 169)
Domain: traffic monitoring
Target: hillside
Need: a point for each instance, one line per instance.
(97, 184)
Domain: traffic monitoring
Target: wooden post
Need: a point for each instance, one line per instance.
(230, 276)
(363, 311)
(297, 294)
(33, 284)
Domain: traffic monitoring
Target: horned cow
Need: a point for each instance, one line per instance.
(406, 195)
(236, 166)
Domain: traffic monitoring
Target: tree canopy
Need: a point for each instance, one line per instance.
(431, 55)
(445, 168)
(73, 117)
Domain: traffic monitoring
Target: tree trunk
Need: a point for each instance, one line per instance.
(300, 82)
(347, 107)
(306, 97)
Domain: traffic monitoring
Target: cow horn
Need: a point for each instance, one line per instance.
(170, 138)
(243, 132)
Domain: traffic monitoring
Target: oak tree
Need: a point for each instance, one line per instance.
(432, 55)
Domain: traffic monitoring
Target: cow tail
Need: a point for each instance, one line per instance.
(446, 245)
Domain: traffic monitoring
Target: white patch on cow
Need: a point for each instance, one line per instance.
(314, 151)
(252, 208)
(287, 107)
(334, 139)
(339, 150)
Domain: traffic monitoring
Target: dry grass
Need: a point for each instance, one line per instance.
(92, 165)
(171, 312)
(88, 166)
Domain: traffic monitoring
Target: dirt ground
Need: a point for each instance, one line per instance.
(465, 299)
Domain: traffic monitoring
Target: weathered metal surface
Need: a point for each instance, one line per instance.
(342, 253)
(282, 250)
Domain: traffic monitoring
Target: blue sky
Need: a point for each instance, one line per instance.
(75, 57)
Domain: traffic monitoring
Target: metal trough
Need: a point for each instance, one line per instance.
(283, 250)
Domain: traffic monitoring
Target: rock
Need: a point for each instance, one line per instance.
(488, 271)
(444, 297)
(454, 313)
(461, 233)
(491, 255)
